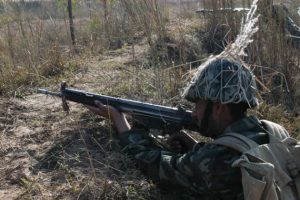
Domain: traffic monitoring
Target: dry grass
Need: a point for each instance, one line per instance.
(279, 59)
(56, 161)
(47, 155)
(274, 57)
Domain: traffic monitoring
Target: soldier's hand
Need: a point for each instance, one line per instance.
(181, 142)
(111, 113)
(103, 110)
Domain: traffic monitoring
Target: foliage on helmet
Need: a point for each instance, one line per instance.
(223, 80)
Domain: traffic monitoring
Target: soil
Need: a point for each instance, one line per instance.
(46, 153)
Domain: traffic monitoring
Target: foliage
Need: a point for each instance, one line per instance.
(143, 50)
(272, 54)
(280, 115)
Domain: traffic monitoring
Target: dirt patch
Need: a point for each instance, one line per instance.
(47, 154)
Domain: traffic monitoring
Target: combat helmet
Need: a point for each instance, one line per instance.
(223, 80)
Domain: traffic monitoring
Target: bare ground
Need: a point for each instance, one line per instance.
(47, 154)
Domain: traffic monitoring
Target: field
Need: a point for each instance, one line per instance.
(144, 50)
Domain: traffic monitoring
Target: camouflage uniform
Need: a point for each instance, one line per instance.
(206, 170)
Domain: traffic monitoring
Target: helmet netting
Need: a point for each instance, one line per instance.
(224, 81)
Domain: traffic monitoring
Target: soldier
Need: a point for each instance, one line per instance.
(222, 91)
(283, 19)
(290, 28)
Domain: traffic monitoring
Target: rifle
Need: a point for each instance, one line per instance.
(146, 115)
(222, 10)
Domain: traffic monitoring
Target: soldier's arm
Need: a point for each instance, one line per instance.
(199, 169)
(119, 120)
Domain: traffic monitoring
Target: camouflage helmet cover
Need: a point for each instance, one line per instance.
(223, 80)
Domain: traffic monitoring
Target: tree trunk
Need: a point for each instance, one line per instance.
(106, 25)
(71, 24)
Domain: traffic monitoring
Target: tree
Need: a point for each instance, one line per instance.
(71, 24)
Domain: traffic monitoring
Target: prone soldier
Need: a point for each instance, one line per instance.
(222, 92)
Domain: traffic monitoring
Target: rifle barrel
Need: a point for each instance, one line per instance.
(47, 92)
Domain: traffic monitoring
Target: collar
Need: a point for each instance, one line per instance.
(245, 124)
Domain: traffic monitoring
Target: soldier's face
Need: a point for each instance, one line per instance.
(205, 117)
(200, 115)
(199, 110)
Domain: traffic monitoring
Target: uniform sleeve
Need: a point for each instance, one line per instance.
(199, 169)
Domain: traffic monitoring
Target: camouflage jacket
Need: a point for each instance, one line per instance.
(206, 170)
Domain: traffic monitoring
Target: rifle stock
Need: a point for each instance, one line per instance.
(149, 116)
